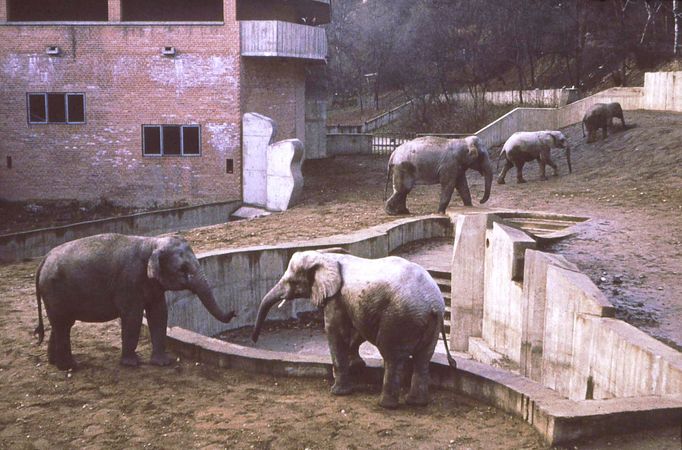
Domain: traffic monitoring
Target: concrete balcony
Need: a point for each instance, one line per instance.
(274, 38)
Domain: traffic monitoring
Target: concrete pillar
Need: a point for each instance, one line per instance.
(284, 177)
(502, 308)
(533, 309)
(114, 10)
(258, 133)
(468, 264)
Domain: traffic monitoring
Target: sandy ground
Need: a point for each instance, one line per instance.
(630, 185)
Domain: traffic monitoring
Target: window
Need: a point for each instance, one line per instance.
(171, 140)
(54, 107)
(57, 10)
(171, 11)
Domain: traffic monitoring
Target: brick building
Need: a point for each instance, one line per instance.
(140, 101)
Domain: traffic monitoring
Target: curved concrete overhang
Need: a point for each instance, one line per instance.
(557, 418)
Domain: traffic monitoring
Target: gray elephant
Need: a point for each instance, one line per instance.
(390, 302)
(436, 160)
(110, 276)
(526, 146)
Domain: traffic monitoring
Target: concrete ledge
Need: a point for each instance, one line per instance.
(556, 418)
(30, 244)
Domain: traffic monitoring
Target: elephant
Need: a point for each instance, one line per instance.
(525, 146)
(390, 302)
(433, 160)
(596, 117)
(108, 276)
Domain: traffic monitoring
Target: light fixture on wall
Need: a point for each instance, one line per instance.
(168, 51)
(53, 50)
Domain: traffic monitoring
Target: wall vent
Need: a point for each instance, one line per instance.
(168, 51)
(53, 51)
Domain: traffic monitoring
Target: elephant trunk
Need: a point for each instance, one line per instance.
(276, 294)
(487, 172)
(568, 158)
(203, 290)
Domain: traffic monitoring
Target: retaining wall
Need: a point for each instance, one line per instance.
(349, 144)
(30, 244)
(243, 276)
(542, 318)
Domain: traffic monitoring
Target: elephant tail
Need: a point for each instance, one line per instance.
(40, 329)
(497, 167)
(451, 360)
(389, 172)
(582, 125)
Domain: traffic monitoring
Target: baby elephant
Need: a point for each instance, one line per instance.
(110, 276)
(600, 115)
(525, 146)
(390, 302)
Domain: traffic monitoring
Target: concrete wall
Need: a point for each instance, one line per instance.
(349, 144)
(663, 91)
(29, 244)
(519, 119)
(540, 317)
(315, 129)
(241, 277)
(539, 97)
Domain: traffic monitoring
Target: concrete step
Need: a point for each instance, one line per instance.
(443, 284)
(439, 274)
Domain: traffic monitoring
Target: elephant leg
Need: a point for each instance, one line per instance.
(507, 165)
(519, 171)
(157, 319)
(541, 165)
(553, 165)
(403, 182)
(446, 190)
(59, 345)
(604, 132)
(131, 322)
(462, 190)
(338, 338)
(421, 358)
(390, 391)
(356, 362)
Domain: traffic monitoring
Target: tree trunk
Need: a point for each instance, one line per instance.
(677, 14)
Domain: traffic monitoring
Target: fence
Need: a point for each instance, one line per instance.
(384, 144)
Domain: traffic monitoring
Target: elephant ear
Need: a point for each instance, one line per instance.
(474, 144)
(324, 274)
(153, 266)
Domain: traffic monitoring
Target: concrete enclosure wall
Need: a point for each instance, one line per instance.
(242, 277)
(349, 144)
(30, 244)
(537, 315)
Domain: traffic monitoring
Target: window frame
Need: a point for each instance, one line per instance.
(182, 153)
(46, 110)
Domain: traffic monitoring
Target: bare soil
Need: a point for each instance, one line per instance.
(630, 185)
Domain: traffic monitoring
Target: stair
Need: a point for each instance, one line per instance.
(442, 279)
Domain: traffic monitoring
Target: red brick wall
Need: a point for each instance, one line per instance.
(127, 83)
(276, 88)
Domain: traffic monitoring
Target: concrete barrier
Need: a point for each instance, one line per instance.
(663, 91)
(241, 277)
(30, 244)
(349, 144)
(549, 322)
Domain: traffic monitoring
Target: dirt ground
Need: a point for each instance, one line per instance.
(630, 185)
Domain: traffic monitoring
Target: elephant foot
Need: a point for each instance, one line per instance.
(501, 181)
(417, 400)
(543, 178)
(161, 359)
(342, 389)
(130, 361)
(388, 402)
(521, 181)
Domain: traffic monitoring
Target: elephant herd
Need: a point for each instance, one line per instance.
(389, 302)
(435, 160)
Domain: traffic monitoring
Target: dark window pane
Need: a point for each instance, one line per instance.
(36, 108)
(171, 140)
(190, 140)
(152, 140)
(56, 110)
(76, 108)
(57, 10)
(172, 10)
